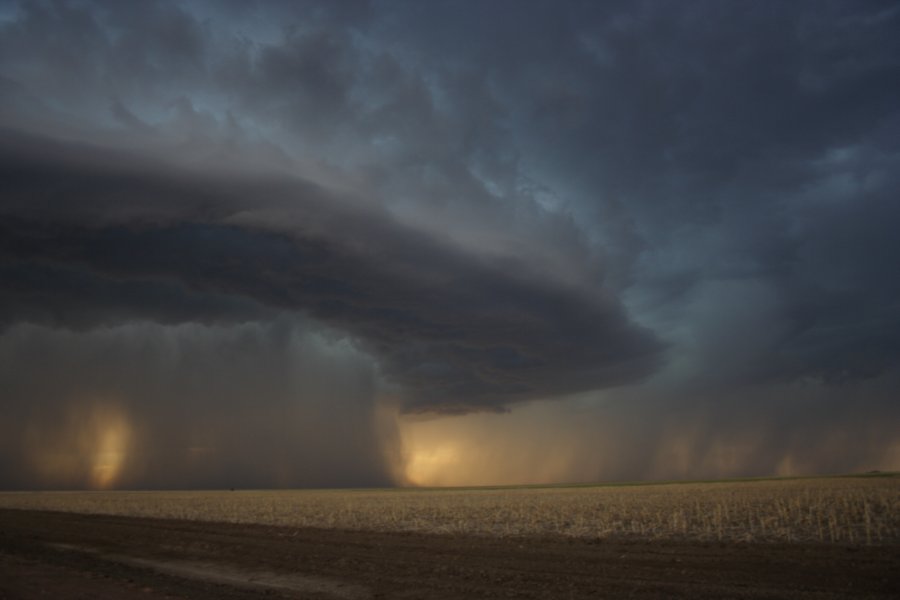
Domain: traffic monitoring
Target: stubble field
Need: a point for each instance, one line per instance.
(852, 510)
(820, 538)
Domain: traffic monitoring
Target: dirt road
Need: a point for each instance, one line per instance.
(61, 555)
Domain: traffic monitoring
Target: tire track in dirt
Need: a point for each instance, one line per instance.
(304, 585)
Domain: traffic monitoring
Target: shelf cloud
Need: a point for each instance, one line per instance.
(235, 234)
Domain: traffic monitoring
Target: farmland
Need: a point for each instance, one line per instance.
(846, 510)
(825, 538)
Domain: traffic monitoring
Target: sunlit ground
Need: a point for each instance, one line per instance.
(465, 451)
(109, 455)
(89, 448)
(425, 465)
(544, 443)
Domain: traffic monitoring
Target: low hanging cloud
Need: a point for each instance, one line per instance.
(86, 243)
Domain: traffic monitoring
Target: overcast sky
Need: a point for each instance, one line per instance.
(372, 243)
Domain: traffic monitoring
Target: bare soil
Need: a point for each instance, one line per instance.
(67, 555)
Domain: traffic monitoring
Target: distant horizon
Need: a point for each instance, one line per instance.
(560, 484)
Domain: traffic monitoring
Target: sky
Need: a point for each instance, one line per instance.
(375, 243)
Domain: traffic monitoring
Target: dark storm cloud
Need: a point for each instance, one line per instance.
(81, 237)
(497, 201)
(712, 147)
(746, 146)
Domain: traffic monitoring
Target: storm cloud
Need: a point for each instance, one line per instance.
(456, 331)
(668, 218)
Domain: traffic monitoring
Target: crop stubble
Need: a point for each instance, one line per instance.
(843, 510)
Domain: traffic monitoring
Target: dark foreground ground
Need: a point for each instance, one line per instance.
(58, 555)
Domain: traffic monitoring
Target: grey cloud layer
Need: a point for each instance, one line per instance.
(498, 201)
(457, 331)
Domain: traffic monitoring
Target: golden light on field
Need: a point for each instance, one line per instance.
(426, 464)
(87, 448)
(435, 455)
(467, 450)
(112, 438)
(558, 443)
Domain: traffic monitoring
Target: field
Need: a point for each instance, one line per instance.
(854, 510)
(827, 537)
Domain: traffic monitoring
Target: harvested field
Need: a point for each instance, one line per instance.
(842, 510)
(823, 538)
(68, 555)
